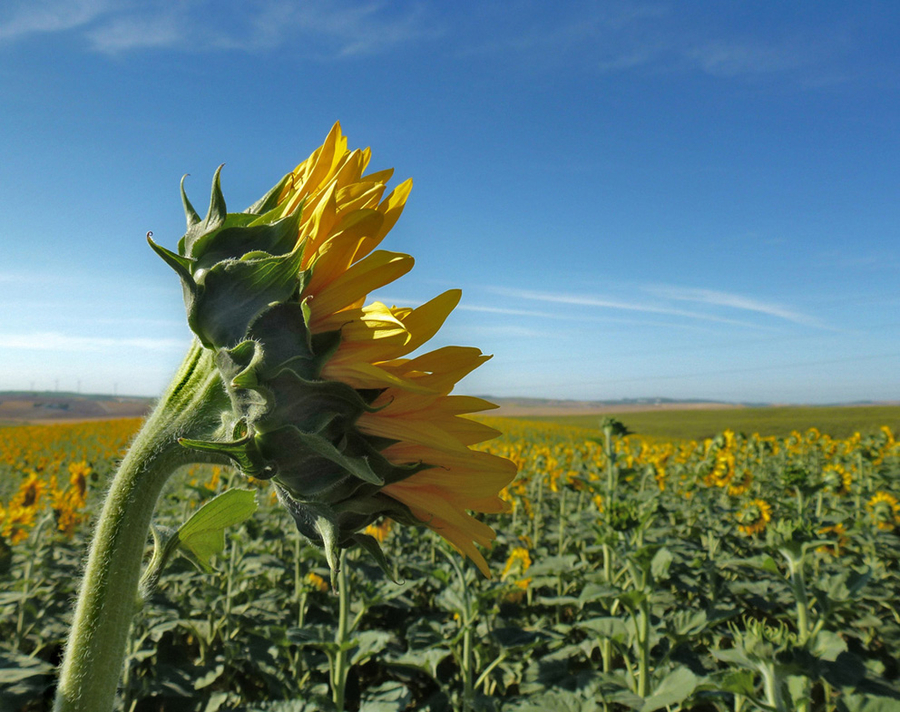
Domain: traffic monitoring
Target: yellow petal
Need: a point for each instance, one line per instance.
(376, 270)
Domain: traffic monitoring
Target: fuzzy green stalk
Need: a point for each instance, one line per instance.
(798, 584)
(108, 594)
(561, 544)
(342, 655)
(538, 520)
(643, 639)
(466, 663)
(26, 589)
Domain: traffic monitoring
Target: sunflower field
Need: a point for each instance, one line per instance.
(735, 573)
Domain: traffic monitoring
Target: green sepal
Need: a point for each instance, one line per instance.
(311, 405)
(287, 341)
(306, 313)
(270, 200)
(318, 523)
(325, 344)
(190, 215)
(363, 511)
(234, 292)
(217, 211)
(243, 452)
(203, 535)
(182, 265)
(311, 466)
(241, 235)
(164, 544)
(373, 548)
(215, 216)
(240, 364)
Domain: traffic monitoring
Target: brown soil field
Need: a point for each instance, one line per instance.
(512, 410)
(47, 408)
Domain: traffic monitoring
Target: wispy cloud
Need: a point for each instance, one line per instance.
(660, 36)
(733, 301)
(20, 18)
(613, 304)
(54, 341)
(318, 28)
(729, 58)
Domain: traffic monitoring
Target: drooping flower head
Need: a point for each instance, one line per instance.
(884, 508)
(754, 517)
(330, 397)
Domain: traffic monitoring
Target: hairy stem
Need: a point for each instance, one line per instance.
(108, 594)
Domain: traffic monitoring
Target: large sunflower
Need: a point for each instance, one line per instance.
(327, 396)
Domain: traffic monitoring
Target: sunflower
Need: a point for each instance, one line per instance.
(754, 517)
(884, 510)
(722, 470)
(837, 479)
(330, 396)
(740, 485)
(838, 533)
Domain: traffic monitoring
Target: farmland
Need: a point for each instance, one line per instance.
(692, 565)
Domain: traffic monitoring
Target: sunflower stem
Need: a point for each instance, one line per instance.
(341, 668)
(108, 593)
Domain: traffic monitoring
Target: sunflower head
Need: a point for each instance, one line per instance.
(322, 396)
(837, 479)
(884, 509)
(754, 517)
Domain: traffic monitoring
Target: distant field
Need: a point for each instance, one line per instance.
(19, 408)
(689, 424)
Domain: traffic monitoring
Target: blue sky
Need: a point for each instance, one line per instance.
(638, 199)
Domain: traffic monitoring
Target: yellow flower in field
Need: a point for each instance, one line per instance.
(17, 523)
(739, 486)
(317, 582)
(78, 474)
(332, 397)
(30, 492)
(722, 470)
(379, 531)
(884, 510)
(839, 533)
(754, 517)
(518, 562)
(215, 477)
(837, 479)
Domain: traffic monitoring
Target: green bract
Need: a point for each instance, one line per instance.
(243, 285)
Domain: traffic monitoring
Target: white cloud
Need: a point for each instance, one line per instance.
(120, 34)
(26, 17)
(734, 301)
(614, 304)
(731, 58)
(316, 28)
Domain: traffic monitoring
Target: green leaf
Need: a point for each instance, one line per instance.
(676, 687)
(868, 703)
(607, 627)
(388, 697)
(371, 545)
(659, 565)
(203, 535)
(828, 645)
